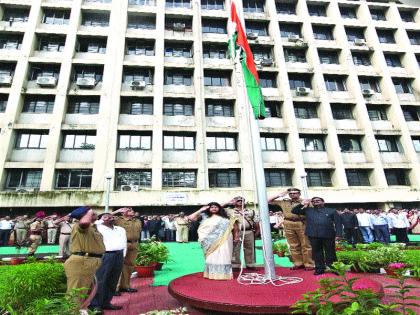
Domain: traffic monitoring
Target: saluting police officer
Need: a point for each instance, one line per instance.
(132, 227)
(87, 248)
(247, 220)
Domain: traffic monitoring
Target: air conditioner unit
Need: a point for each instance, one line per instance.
(294, 38)
(26, 189)
(359, 42)
(266, 62)
(252, 36)
(137, 84)
(179, 26)
(5, 80)
(129, 187)
(302, 90)
(86, 82)
(368, 92)
(46, 81)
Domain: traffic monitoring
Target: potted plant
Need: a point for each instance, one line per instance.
(144, 265)
(151, 254)
(280, 249)
(17, 260)
(159, 254)
(144, 261)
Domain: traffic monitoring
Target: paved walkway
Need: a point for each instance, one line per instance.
(150, 298)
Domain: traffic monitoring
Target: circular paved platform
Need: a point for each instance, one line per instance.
(230, 296)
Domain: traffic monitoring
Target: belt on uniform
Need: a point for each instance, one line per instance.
(65, 233)
(35, 233)
(113, 251)
(295, 219)
(88, 254)
(132, 241)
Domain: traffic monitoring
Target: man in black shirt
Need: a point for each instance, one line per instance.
(350, 225)
(323, 226)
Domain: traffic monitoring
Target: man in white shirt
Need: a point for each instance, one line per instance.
(169, 228)
(400, 224)
(365, 225)
(6, 227)
(115, 240)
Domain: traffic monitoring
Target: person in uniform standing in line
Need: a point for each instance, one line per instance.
(65, 224)
(35, 232)
(51, 229)
(246, 218)
(323, 227)
(132, 227)
(21, 228)
(181, 223)
(294, 229)
(86, 247)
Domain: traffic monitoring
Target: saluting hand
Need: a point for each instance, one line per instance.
(204, 208)
(306, 202)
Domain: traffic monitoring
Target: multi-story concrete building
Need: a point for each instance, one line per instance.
(143, 93)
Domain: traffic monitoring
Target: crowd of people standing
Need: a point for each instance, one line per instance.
(106, 246)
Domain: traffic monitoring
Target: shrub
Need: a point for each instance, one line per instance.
(60, 304)
(151, 251)
(21, 285)
(355, 298)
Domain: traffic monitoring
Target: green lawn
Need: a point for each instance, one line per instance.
(188, 258)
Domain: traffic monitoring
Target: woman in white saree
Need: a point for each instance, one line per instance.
(216, 235)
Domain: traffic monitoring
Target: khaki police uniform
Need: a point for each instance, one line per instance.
(294, 231)
(51, 232)
(64, 239)
(248, 221)
(21, 228)
(87, 248)
(35, 236)
(181, 224)
(132, 229)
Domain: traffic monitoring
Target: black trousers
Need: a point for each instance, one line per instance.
(107, 276)
(351, 235)
(4, 237)
(401, 235)
(323, 252)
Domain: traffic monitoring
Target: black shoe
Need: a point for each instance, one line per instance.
(96, 310)
(112, 307)
(117, 293)
(319, 272)
(129, 290)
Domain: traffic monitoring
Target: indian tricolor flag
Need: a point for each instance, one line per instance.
(239, 41)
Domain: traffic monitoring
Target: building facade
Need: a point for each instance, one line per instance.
(142, 95)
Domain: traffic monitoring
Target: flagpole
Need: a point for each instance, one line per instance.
(258, 166)
(265, 227)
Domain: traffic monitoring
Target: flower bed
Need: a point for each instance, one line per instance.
(372, 260)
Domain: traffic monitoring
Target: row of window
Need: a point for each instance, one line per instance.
(20, 179)
(91, 44)
(89, 105)
(214, 141)
(250, 6)
(219, 26)
(46, 75)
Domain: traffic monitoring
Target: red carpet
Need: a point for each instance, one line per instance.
(152, 298)
(230, 296)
